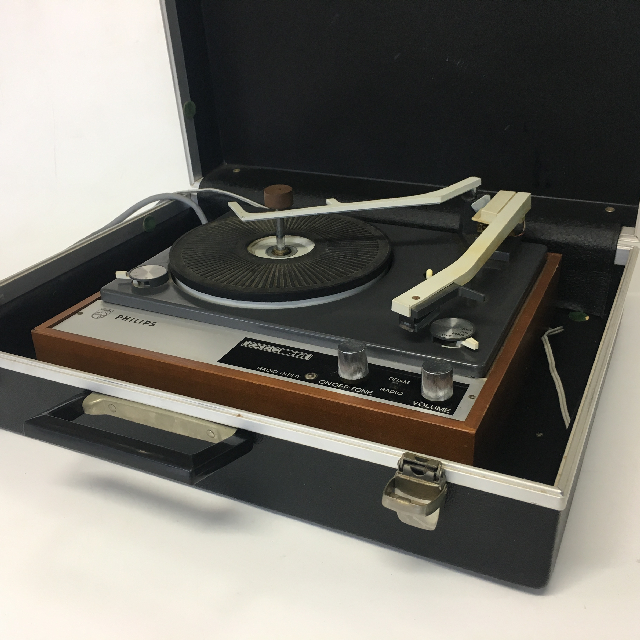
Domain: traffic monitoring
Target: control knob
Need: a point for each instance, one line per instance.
(352, 360)
(437, 380)
(148, 275)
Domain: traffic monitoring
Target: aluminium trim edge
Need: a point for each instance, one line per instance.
(181, 87)
(574, 452)
(460, 474)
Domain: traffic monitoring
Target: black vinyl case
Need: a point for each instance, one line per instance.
(366, 99)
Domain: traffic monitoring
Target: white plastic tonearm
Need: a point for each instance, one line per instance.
(502, 213)
(333, 206)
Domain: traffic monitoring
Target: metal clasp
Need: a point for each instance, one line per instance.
(417, 491)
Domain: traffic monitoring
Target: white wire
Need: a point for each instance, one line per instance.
(235, 196)
(167, 197)
(554, 374)
(160, 198)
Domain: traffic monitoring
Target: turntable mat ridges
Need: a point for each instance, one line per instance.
(213, 259)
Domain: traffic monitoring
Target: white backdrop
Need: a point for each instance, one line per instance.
(88, 120)
(89, 550)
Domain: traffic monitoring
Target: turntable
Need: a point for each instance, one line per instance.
(405, 336)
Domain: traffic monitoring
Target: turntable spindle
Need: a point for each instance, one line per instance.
(279, 197)
(281, 247)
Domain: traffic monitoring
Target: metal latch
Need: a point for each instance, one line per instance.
(417, 491)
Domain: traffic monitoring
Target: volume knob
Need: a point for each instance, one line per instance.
(437, 380)
(352, 360)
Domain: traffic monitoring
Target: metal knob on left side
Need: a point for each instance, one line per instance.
(352, 360)
(148, 275)
(437, 380)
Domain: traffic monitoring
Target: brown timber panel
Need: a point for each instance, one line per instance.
(316, 407)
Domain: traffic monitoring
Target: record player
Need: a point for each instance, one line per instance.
(378, 343)
(403, 336)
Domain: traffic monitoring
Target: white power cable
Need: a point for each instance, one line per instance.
(159, 197)
(554, 374)
(178, 196)
(235, 196)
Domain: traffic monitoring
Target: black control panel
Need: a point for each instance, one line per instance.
(321, 369)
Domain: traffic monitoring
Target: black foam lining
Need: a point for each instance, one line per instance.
(534, 436)
(529, 96)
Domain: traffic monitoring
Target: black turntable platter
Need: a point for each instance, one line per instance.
(231, 259)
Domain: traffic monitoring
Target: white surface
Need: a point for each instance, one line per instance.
(88, 120)
(91, 550)
(627, 240)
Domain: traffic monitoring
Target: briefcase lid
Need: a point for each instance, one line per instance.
(540, 97)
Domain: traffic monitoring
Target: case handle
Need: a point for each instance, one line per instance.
(57, 426)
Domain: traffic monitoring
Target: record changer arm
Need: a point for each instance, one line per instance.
(333, 206)
(502, 214)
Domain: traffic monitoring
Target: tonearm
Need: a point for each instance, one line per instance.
(417, 306)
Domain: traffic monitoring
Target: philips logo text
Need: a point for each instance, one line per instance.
(148, 323)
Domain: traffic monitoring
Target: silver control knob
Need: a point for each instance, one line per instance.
(352, 360)
(148, 275)
(437, 380)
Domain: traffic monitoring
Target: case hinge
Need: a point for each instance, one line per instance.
(417, 491)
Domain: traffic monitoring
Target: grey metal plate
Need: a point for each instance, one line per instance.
(367, 315)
